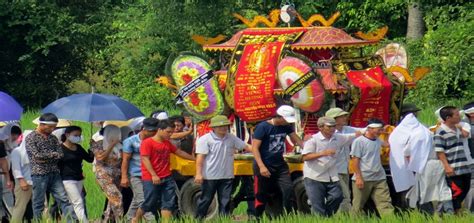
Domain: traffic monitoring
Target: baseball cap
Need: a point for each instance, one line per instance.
(150, 124)
(219, 120)
(161, 116)
(336, 112)
(287, 112)
(326, 120)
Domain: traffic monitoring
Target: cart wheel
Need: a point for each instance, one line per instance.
(301, 196)
(189, 196)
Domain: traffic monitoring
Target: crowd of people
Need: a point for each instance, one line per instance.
(428, 167)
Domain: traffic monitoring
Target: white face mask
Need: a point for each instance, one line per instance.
(75, 139)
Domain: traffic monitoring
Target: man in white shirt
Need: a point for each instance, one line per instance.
(215, 165)
(343, 156)
(320, 167)
(21, 171)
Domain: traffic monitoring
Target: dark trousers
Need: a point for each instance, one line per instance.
(325, 197)
(245, 193)
(279, 182)
(460, 186)
(223, 187)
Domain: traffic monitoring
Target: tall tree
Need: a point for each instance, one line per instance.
(416, 25)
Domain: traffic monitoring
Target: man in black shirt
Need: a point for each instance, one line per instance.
(270, 168)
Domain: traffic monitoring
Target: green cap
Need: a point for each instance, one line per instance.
(219, 120)
(336, 112)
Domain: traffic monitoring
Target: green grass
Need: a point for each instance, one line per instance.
(409, 217)
(95, 197)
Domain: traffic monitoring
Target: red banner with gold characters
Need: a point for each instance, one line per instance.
(253, 72)
(375, 92)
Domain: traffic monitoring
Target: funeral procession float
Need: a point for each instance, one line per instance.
(312, 67)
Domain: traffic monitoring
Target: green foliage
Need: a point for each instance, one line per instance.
(44, 47)
(447, 50)
(52, 49)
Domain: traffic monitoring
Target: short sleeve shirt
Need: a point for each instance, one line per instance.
(273, 144)
(219, 161)
(159, 155)
(451, 143)
(131, 145)
(368, 151)
(324, 168)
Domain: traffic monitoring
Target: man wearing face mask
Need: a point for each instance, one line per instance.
(70, 167)
(44, 153)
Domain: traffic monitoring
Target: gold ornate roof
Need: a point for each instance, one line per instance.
(313, 38)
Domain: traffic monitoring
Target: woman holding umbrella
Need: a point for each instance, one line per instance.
(107, 153)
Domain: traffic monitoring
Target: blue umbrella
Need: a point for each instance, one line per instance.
(10, 110)
(93, 107)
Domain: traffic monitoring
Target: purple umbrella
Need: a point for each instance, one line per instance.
(10, 110)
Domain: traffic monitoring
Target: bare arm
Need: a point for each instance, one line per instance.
(256, 153)
(179, 135)
(312, 156)
(199, 161)
(104, 155)
(146, 162)
(447, 168)
(248, 148)
(124, 169)
(256, 143)
(358, 174)
(184, 155)
(296, 140)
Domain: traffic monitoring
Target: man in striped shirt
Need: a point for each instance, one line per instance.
(449, 146)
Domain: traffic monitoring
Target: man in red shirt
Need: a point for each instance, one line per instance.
(158, 184)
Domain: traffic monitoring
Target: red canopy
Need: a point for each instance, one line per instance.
(317, 37)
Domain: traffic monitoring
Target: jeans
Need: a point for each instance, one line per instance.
(138, 198)
(223, 187)
(74, 192)
(50, 182)
(325, 197)
(161, 196)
